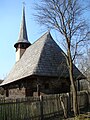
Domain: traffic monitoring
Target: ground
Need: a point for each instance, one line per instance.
(80, 117)
(84, 115)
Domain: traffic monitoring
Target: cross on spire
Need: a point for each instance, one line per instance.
(24, 7)
(24, 4)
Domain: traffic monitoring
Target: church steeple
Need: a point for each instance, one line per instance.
(22, 44)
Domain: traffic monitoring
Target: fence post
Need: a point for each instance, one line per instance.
(68, 103)
(63, 107)
(38, 90)
(87, 98)
(41, 107)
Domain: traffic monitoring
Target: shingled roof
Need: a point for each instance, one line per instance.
(43, 58)
(1, 81)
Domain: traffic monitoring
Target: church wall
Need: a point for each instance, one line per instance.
(19, 53)
(48, 85)
(17, 93)
(54, 85)
(39, 86)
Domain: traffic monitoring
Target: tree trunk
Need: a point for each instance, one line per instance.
(74, 94)
(73, 88)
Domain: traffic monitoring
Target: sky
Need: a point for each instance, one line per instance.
(10, 20)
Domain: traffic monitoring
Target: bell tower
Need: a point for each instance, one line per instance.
(22, 44)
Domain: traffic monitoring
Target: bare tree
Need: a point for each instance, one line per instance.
(84, 65)
(65, 16)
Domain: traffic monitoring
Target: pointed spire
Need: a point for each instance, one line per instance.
(23, 31)
(22, 44)
(23, 38)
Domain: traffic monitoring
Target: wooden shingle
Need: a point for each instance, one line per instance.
(43, 58)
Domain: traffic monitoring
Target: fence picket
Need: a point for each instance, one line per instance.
(37, 108)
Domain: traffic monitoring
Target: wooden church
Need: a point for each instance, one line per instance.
(40, 67)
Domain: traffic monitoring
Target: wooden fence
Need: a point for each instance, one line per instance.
(40, 107)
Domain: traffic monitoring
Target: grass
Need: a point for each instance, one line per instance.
(83, 117)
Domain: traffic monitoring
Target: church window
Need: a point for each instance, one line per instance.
(7, 93)
(46, 85)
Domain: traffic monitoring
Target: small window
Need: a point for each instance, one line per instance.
(46, 85)
(7, 93)
(63, 85)
(28, 92)
(22, 46)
